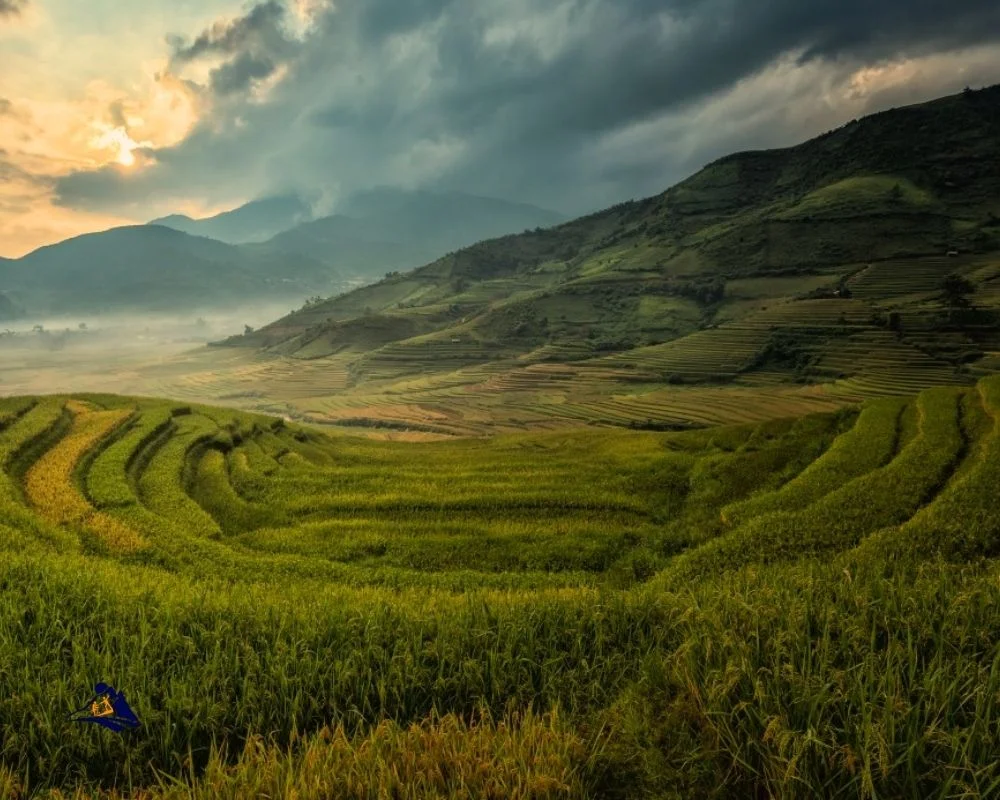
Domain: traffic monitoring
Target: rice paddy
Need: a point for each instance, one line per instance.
(794, 606)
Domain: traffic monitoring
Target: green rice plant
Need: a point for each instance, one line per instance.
(211, 488)
(107, 481)
(840, 519)
(162, 483)
(483, 617)
(249, 467)
(964, 521)
(217, 664)
(867, 446)
(772, 454)
(803, 681)
(13, 408)
(26, 437)
(523, 757)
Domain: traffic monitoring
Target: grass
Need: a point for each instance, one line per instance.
(107, 477)
(960, 526)
(841, 518)
(49, 483)
(867, 446)
(869, 193)
(554, 614)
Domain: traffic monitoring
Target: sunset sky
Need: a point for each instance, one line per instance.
(115, 112)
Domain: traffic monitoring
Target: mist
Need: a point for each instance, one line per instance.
(124, 352)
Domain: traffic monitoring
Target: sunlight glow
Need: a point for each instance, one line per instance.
(118, 139)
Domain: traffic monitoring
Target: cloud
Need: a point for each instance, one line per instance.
(230, 36)
(250, 48)
(571, 103)
(10, 8)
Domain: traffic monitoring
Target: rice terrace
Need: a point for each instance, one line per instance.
(336, 465)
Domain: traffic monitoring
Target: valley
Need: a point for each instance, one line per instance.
(693, 496)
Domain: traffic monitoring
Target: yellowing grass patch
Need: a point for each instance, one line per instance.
(49, 484)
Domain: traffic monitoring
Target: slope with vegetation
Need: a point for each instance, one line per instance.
(798, 607)
(821, 270)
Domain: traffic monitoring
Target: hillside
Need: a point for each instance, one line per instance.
(801, 608)
(819, 265)
(154, 268)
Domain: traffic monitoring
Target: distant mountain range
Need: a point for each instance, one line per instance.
(675, 286)
(390, 230)
(153, 268)
(256, 221)
(265, 249)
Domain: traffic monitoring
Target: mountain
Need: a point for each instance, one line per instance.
(816, 264)
(154, 268)
(390, 229)
(445, 220)
(256, 221)
(356, 247)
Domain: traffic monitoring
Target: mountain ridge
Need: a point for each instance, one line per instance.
(97, 272)
(255, 221)
(818, 267)
(158, 267)
(388, 230)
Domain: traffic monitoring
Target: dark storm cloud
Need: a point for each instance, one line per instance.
(628, 68)
(381, 18)
(237, 75)
(251, 48)
(522, 99)
(9, 8)
(260, 26)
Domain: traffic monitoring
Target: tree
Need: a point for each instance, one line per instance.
(247, 330)
(954, 292)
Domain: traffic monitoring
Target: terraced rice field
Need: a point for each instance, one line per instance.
(896, 279)
(554, 614)
(731, 348)
(782, 355)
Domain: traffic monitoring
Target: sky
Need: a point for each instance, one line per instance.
(113, 112)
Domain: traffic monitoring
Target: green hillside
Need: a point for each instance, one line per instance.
(816, 266)
(801, 607)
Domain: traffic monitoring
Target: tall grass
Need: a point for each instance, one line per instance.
(322, 617)
(840, 519)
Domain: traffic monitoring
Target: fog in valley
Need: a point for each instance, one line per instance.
(123, 352)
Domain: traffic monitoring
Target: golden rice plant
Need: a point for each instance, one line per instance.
(50, 487)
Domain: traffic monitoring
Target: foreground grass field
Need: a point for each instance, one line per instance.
(794, 608)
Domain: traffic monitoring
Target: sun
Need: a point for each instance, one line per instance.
(118, 140)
